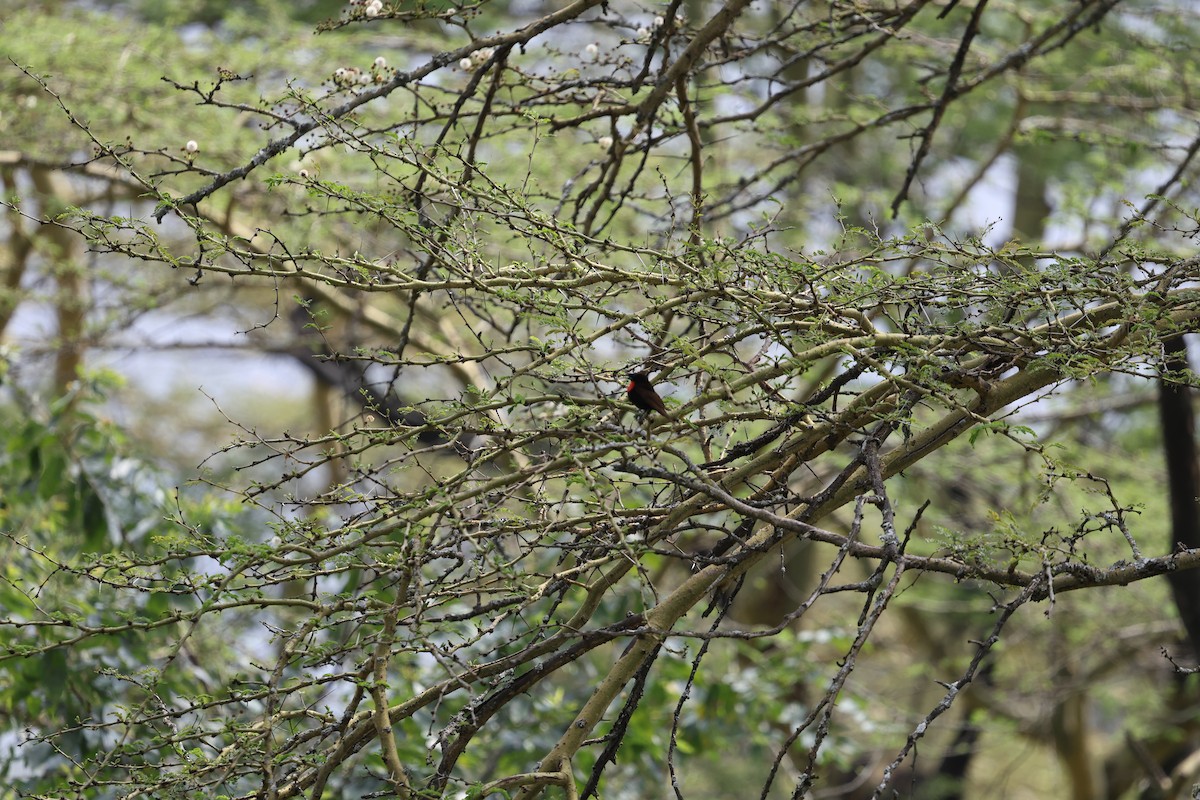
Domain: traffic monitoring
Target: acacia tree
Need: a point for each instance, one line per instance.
(481, 570)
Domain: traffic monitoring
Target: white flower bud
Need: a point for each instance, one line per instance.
(605, 142)
(592, 50)
(464, 64)
(303, 174)
(380, 63)
(191, 146)
(658, 22)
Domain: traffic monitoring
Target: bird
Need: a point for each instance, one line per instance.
(641, 393)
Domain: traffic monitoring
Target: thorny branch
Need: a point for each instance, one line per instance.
(502, 529)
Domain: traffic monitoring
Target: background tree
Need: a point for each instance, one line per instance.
(905, 275)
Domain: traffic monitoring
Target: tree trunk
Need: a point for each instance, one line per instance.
(1183, 479)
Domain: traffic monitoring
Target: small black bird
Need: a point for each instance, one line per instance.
(641, 393)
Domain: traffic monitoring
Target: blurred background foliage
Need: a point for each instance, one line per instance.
(149, 409)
